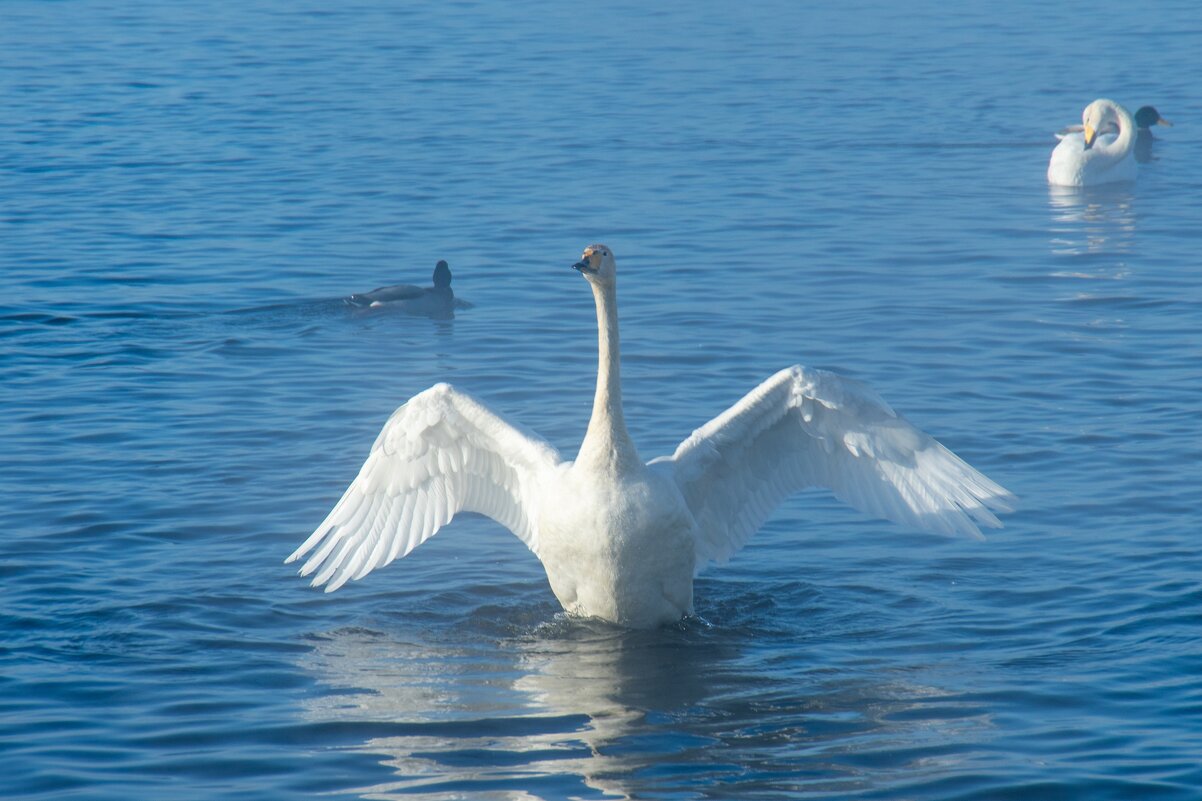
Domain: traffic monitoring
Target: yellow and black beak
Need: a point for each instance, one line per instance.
(1090, 136)
(588, 263)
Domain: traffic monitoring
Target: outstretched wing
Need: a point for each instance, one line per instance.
(810, 428)
(441, 453)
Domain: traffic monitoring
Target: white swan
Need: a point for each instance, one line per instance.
(1096, 156)
(621, 540)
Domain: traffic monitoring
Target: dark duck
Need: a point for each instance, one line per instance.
(1145, 118)
(428, 301)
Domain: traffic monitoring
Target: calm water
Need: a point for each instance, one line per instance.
(186, 193)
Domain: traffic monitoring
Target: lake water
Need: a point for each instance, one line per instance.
(187, 192)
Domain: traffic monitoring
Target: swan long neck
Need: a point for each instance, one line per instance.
(1122, 144)
(607, 443)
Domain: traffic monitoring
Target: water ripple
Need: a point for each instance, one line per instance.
(188, 197)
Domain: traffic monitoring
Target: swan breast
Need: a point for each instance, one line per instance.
(620, 546)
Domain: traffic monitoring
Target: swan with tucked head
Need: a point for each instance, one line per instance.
(1095, 156)
(621, 539)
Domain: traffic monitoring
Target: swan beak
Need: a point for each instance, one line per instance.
(1090, 136)
(1163, 121)
(585, 265)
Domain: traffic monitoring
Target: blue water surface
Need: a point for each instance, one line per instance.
(188, 191)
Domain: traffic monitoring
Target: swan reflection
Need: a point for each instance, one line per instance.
(580, 709)
(1097, 220)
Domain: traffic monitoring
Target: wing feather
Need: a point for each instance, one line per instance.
(441, 453)
(810, 428)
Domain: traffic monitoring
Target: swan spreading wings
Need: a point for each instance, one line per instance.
(621, 539)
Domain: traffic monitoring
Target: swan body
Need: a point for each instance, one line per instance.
(621, 539)
(618, 545)
(1095, 156)
(430, 301)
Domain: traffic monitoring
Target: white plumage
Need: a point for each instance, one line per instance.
(1102, 152)
(621, 540)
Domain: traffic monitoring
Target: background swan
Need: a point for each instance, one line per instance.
(1094, 157)
(621, 539)
(435, 300)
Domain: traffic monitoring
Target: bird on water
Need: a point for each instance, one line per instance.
(430, 301)
(621, 539)
(1102, 153)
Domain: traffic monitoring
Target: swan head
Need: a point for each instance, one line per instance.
(597, 265)
(442, 275)
(1097, 116)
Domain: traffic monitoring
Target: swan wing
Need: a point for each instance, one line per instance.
(1110, 130)
(1068, 130)
(810, 428)
(441, 453)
